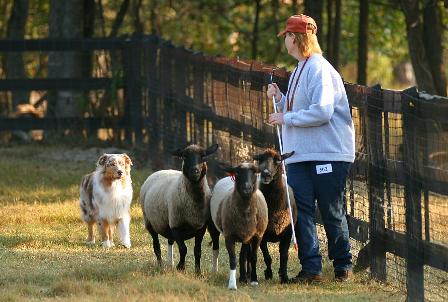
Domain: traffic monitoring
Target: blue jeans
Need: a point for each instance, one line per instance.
(328, 189)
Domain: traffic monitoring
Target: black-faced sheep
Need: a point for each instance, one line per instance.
(176, 204)
(240, 213)
(272, 185)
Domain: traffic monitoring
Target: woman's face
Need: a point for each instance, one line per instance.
(289, 43)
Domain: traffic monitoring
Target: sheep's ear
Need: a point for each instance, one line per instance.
(287, 155)
(102, 160)
(127, 159)
(212, 149)
(257, 157)
(177, 153)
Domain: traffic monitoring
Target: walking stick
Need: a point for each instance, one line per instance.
(284, 173)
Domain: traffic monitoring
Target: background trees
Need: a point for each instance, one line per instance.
(369, 41)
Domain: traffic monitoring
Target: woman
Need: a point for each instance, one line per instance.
(317, 125)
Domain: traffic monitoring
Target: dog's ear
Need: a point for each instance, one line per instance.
(127, 159)
(102, 160)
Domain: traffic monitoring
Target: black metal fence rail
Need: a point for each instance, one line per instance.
(397, 202)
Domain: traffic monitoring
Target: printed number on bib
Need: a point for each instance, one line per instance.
(323, 169)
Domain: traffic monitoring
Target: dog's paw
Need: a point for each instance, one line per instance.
(107, 244)
(127, 244)
(90, 242)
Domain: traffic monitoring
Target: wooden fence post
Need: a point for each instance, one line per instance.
(152, 84)
(414, 257)
(133, 92)
(167, 100)
(180, 64)
(198, 98)
(376, 172)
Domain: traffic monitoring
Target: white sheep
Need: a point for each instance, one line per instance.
(176, 204)
(240, 213)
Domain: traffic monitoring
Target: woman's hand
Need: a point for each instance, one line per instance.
(276, 119)
(273, 90)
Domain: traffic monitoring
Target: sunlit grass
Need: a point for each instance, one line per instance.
(43, 255)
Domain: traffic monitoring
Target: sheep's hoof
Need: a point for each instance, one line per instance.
(284, 280)
(254, 283)
(268, 274)
(232, 287)
(180, 267)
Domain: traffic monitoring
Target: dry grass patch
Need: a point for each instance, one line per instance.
(43, 255)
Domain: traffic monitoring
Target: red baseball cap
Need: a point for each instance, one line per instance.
(299, 24)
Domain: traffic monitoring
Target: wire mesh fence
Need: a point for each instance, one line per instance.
(164, 97)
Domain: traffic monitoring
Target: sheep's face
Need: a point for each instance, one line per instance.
(245, 178)
(115, 166)
(193, 157)
(270, 164)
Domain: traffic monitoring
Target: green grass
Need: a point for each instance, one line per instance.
(43, 255)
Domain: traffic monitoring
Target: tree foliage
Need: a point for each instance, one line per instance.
(232, 28)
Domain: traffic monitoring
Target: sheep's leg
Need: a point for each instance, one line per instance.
(283, 249)
(197, 249)
(255, 244)
(214, 234)
(177, 235)
(267, 259)
(245, 249)
(155, 242)
(230, 245)
(170, 253)
(248, 261)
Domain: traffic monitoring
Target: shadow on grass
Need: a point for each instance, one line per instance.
(14, 240)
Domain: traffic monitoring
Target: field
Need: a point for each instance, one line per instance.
(43, 255)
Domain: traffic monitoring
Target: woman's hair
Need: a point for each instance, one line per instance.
(307, 44)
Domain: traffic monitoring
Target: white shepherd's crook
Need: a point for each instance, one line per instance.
(284, 172)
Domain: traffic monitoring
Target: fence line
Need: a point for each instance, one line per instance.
(167, 96)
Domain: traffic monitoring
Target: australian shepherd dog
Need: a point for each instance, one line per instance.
(105, 198)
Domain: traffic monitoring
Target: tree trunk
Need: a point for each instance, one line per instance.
(337, 35)
(119, 18)
(417, 52)
(363, 29)
(65, 22)
(278, 42)
(295, 7)
(314, 9)
(154, 21)
(255, 29)
(88, 31)
(138, 26)
(15, 68)
(330, 32)
(432, 38)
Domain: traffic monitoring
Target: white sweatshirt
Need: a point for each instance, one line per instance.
(319, 127)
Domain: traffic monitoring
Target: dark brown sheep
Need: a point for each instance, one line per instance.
(239, 212)
(272, 185)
